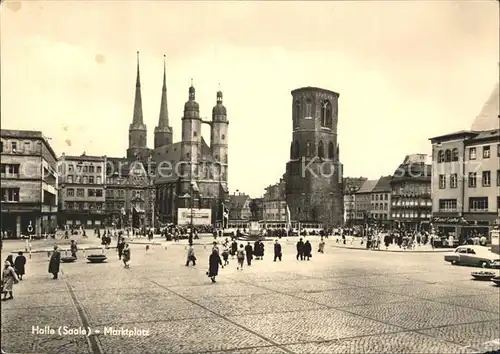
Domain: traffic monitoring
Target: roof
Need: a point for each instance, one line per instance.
(170, 153)
(486, 135)
(82, 157)
(118, 166)
(413, 171)
(311, 88)
(353, 182)
(462, 134)
(27, 134)
(383, 184)
(368, 186)
(488, 116)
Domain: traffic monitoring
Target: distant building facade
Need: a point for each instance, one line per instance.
(29, 184)
(351, 186)
(82, 190)
(274, 202)
(314, 191)
(411, 201)
(239, 207)
(363, 202)
(466, 182)
(381, 201)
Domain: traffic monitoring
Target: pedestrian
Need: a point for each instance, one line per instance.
(300, 249)
(213, 265)
(73, 249)
(55, 262)
(240, 255)
(190, 255)
(249, 253)
(119, 248)
(261, 249)
(215, 247)
(234, 248)
(225, 255)
(321, 247)
(9, 278)
(307, 250)
(277, 251)
(126, 255)
(19, 265)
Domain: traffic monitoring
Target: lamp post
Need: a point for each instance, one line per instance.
(191, 221)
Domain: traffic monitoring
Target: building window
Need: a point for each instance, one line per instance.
(85, 169)
(70, 168)
(79, 206)
(9, 170)
(453, 180)
(91, 169)
(195, 134)
(296, 114)
(98, 169)
(447, 156)
(498, 177)
(308, 149)
(70, 205)
(69, 179)
(27, 146)
(472, 180)
(330, 150)
(478, 204)
(447, 205)
(321, 150)
(222, 137)
(441, 156)
(70, 192)
(454, 155)
(98, 180)
(98, 192)
(442, 181)
(85, 180)
(486, 178)
(486, 152)
(91, 179)
(308, 114)
(10, 194)
(472, 153)
(91, 192)
(13, 146)
(80, 192)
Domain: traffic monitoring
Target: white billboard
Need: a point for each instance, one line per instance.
(200, 216)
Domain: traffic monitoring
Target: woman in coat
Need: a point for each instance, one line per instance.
(19, 264)
(126, 255)
(9, 278)
(307, 250)
(55, 262)
(213, 265)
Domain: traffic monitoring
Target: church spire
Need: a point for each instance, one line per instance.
(163, 119)
(138, 98)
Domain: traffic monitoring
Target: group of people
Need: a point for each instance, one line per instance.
(12, 273)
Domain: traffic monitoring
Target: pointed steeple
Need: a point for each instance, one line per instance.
(137, 119)
(163, 118)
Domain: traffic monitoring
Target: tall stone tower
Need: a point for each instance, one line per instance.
(163, 132)
(137, 132)
(218, 137)
(314, 173)
(191, 141)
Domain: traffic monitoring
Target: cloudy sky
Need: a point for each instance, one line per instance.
(405, 71)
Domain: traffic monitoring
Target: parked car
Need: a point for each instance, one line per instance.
(473, 255)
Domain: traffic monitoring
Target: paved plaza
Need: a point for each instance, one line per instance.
(343, 301)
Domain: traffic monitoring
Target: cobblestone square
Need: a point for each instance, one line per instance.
(343, 301)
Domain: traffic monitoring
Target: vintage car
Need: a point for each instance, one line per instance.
(472, 255)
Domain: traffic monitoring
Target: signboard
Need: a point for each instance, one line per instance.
(200, 216)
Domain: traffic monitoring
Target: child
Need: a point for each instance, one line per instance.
(225, 255)
(19, 264)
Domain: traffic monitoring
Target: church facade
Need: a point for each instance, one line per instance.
(151, 185)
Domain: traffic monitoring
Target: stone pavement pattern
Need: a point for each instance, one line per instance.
(343, 301)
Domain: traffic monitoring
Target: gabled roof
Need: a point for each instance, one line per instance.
(170, 153)
(237, 201)
(368, 186)
(383, 184)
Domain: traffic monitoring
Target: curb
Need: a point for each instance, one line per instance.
(61, 250)
(392, 251)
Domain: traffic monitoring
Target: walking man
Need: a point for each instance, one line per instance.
(300, 249)
(277, 251)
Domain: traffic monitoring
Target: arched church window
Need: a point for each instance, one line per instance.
(330, 150)
(223, 137)
(309, 112)
(321, 150)
(326, 114)
(308, 149)
(296, 114)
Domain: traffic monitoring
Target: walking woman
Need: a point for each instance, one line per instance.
(55, 262)
(9, 278)
(126, 255)
(213, 265)
(19, 265)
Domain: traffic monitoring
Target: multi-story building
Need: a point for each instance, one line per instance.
(314, 191)
(381, 201)
(363, 202)
(274, 202)
(351, 186)
(466, 182)
(411, 202)
(82, 190)
(29, 183)
(239, 207)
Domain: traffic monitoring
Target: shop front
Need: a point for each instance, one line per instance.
(477, 225)
(447, 225)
